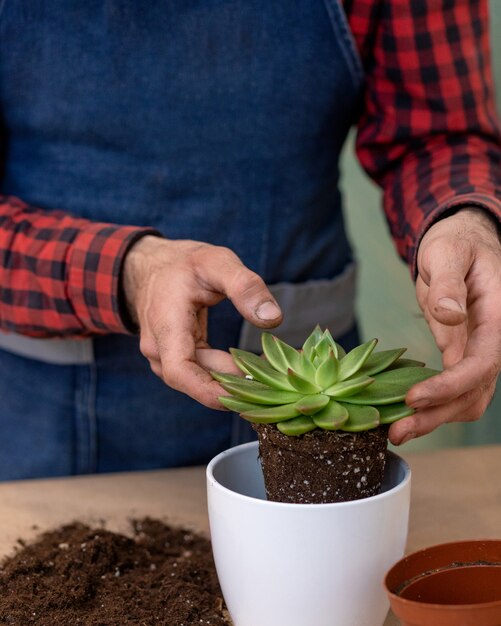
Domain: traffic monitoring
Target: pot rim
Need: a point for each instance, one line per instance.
(213, 482)
(404, 602)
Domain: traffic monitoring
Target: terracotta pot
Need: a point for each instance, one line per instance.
(452, 584)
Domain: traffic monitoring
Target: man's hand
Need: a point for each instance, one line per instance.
(459, 290)
(169, 286)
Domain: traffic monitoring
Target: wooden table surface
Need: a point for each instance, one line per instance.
(456, 494)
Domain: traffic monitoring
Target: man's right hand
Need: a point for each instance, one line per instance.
(168, 287)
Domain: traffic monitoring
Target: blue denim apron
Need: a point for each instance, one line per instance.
(215, 120)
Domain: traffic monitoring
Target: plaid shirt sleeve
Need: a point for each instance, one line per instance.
(428, 132)
(59, 274)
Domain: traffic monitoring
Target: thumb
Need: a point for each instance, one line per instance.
(247, 290)
(253, 299)
(445, 257)
(447, 295)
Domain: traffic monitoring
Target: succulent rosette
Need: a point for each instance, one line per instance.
(320, 386)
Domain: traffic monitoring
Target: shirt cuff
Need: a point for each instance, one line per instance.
(472, 200)
(95, 262)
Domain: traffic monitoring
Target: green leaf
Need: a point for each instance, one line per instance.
(360, 418)
(391, 386)
(274, 353)
(406, 375)
(332, 344)
(306, 368)
(311, 404)
(301, 384)
(349, 387)
(311, 342)
(339, 351)
(393, 412)
(236, 405)
(231, 379)
(258, 395)
(323, 348)
(379, 361)
(317, 361)
(296, 426)
(327, 371)
(405, 363)
(379, 393)
(271, 415)
(238, 356)
(260, 370)
(332, 417)
(354, 360)
(291, 355)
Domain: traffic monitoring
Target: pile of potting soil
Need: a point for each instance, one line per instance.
(79, 575)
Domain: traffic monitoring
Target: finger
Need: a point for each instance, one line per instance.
(181, 371)
(149, 347)
(223, 271)
(217, 361)
(455, 344)
(470, 373)
(447, 297)
(467, 408)
(481, 362)
(176, 336)
(422, 290)
(203, 320)
(481, 336)
(445, 265)
(208, 398)
(157, 369)
(451, 340)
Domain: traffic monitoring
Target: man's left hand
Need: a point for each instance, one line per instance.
(459, 290)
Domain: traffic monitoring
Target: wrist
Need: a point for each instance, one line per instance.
(479, 218)
(136, 268)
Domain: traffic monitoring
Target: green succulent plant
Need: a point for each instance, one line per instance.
(320, 386)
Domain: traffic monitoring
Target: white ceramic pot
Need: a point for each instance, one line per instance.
(303, 564)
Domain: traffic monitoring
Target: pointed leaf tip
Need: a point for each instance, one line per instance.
(301, 384)
(262, 371)
(274, 353)
(308, 405)
(331, 417)
(249, 391)
(327, 371)
(354, 360)
(380, 361)
(271, 414)
(394, 412)
(349, 387)
(360, 418)
(311, 342)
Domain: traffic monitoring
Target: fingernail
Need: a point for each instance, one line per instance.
(407, 438)
(268, 311)
(450, 305)
(420, 403)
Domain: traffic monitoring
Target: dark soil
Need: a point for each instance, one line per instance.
(93, 577)
(322, 466)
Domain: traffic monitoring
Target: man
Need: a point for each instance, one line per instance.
(214, 129)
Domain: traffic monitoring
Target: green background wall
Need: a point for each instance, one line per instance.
(387, 305)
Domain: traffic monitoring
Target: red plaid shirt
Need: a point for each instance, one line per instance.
(427, 134)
